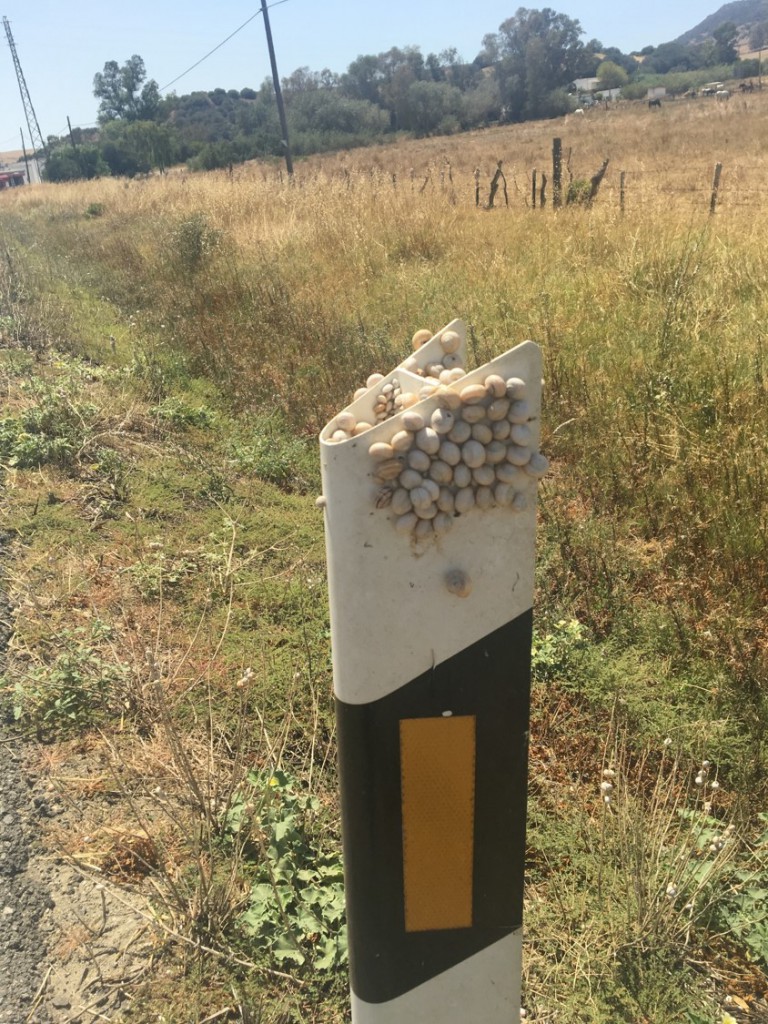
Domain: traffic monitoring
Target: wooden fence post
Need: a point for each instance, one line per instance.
(622, 192)
(543, 191)
(533, 187)
(498, 177)
(477, 186)
(715, 188)
(557, 173)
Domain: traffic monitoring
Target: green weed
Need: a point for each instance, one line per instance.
(74, 691)
(296, 910)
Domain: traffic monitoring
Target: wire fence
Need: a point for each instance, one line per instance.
(700, 185)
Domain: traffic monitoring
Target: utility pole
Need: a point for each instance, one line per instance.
(278, 92)
(29, 111)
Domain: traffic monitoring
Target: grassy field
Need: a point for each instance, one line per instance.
(171, 347)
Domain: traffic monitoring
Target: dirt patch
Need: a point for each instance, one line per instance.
(73, 939)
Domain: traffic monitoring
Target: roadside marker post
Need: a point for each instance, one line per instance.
(431, 639)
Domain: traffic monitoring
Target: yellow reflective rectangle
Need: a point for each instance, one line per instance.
(437, 769)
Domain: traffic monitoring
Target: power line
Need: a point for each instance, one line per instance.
(219, 46)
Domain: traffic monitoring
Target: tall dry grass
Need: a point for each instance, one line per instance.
(652, 324)
(654, 521)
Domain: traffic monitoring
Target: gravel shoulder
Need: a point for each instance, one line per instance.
(70, 941)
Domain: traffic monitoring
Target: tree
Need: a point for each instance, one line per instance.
(433, 106)
(124, 92)
(611, 75)
(135, 147)
(725, 37)
(540, 52)
(64, 164)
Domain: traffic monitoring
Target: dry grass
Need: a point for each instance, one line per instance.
(285, 297)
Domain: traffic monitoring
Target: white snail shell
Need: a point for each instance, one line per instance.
(381, 450)
(462, 431)
(473, 394)
(426, 511)
(448, 398)
(482, 432)
(442, 421)
(537, 466)
(390, 469)
(420, 498)
(406, 523)
(421, 338)
(484, 476)
(450, 341)
(409, 479)
(519, 412)
(473, 413)
(518, 455)
(346, 421)
(495, 452)
(440, 472)
(462, 475)
(503, 493)
(451, 453)
(472, 454)
(516, 388)
(412, 420)
(418, 460)
(428, 440)
(484, 497)
(401, 441)
(445, 500)
(374, 379)
(521, 433)
(465, 500)
(512, 475)
(498, 409)
(401, 502)
(495, 385)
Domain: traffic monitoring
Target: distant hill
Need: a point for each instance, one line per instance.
(742, 12)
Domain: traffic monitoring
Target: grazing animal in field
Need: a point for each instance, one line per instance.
(747, 86)
(722, 95)
(579, 111)
(654, 103)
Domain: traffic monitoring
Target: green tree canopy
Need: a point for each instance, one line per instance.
(539, 52)
(124, 93)
(611, 75)
(725, 37)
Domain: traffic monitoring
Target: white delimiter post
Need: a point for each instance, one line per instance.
(430, 528)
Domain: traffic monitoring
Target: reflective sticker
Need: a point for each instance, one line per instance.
(437, 771)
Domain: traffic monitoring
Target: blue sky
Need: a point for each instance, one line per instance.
(62, 45)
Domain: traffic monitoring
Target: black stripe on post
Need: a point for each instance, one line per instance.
(489, 680)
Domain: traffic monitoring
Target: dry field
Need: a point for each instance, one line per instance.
(171, 348)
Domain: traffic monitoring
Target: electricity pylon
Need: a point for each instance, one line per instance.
(34, 128)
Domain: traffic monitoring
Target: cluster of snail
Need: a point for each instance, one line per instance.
(391, 399)
(473, 451)
(448, 370)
